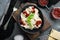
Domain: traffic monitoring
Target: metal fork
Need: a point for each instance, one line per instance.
(14, 9)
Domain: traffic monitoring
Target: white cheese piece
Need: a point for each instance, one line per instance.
(55, 34)
(36, 10)
(30, 8)
(33, 21)
(27, 10)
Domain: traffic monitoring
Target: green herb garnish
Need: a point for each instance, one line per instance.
(29, 20)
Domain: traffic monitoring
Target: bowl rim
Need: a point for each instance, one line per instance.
(54, 15)
(41, 14)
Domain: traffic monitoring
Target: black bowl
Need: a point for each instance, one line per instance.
(40, 15)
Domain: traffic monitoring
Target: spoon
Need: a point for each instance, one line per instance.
(5, 26)
(47, 7)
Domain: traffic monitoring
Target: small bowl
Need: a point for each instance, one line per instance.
(40, 15)
(55, 12)
(43, 3)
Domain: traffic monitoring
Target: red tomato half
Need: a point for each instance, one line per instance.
(56, 13)
(38, 23)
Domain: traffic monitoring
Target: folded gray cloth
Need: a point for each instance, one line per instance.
(4, 4)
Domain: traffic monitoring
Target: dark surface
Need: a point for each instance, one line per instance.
(6, 33)
(51, 2)
(43, 36)
(9, 32)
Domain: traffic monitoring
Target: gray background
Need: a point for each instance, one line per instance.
(4, 6)
(44, 36)
(55, 23)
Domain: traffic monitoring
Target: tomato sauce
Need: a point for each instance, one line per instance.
(43, 2)
(26, 14)
(56, 12)
(21, 22)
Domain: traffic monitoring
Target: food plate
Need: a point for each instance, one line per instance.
(40, 15)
